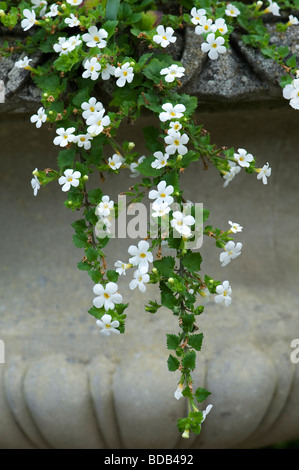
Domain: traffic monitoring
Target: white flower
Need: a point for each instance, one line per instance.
(159, 210)
(104, 208)
(53, 11)
(293, 20)
(95, 37)
(107, 71)
(72, 21)
(175, 126)
(75, 41)
(23, 63)
(107, 326)
(197, 15)
(205, 295)
(172, 112)
(229, 176)
(35, 184)
(64, 136)
(232, 251)
(70, 178)
(231, 10)
(39, 118)
(96, 122)
(205, 26)
(224, 293)
(178, 393)
(172, 72)
(122, 267)
(29, 20)
(141, 255)
(90, 107)
(161, 160)
(182, 223)
(66, 45)
(206, 412)
(220, 26)
(162, 194)
(140, 279)
(106, 296)
(243, 158)
(264, 173)
(291, 92)
(273, 8)
(176, 143)
(213, 46)
(115, 162)
(38, 4)
(124, 74)
(75, 3)
(235, 227)
(92, 68)
(83, 140)
(164, 36)
(134, 165)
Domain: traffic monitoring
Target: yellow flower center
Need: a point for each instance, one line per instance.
(176, 142)
(163, 195)
(142, 255)
(106, 295)
(125, 73)
(96, 38)
(92, 109)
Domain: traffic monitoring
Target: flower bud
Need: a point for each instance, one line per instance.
(85, 178)
(132, 64)
(45, 95)
(179, 158)
(2, 12)
(155, 271)
(171, 281)
(131, 145)
(185, 434)
(69, 203)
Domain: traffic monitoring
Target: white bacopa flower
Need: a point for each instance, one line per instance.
(291, 92)
(162, 194)
(90, 107)
(39, 4)
(172, 112)
(232, 10)
(234, 227)
(72, 21)
(124, 74)
(105, 207)
(205, 25)
(141, 278)
(39, 118)
(176, 143)
(75, 40)
(243, 158)
(107, 296)
(107, 71)
(164, 36)
(175, 126)
(96, 122)
(213, 46)
(92, 69)
(224, 291)
(159, 210)
(29, 20)
(122, 267)
(179, 391)
(64, 136)
(115, 162)
(23, 63)
(205, 295)
(220, 26)
(172, 72)
(70, 178)
(229, 176)
(134, 165)
(107, 326)
(182, 223)
(74, 3)
(140, 255)
(83, 140)
(53, 11)
(264, 173)
(232, 251)
(35, 184)
(206, 412)
(293, 20)
(273, 8)
(197, 15)
(161, 160)
(95, 37)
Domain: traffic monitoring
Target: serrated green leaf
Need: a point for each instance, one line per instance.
(173, 363)
(195, 341)
(173, 341)
(66, 158)
(201, 394)
(192, 261)
(112, 275)
(165, 265)
(189, 359)
(80, 240)
(91, 254)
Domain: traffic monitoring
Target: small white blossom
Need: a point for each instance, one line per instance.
(122, 267)
(213, 46)
(90, 107)
(231, 10)
(291, 92)
(175, 126)
(206, 412)
(159, 210)
(176, 143)
(115, 162)
(39, 118)
(229, 176)
(264, 173)
(107, 326)
(205, 295)
(273, 8)
(83, 140)
(96, 122)
(140, 255)
(35, 184)
(23, 63)
(164, 36)
(38, 4)
(107, 71)
(224, 291)
(141, 278)
(134, 165)
(64, 136)
(92, 69)
(53, 11)
(232, 251)
(293, 20)
(74, 3)
(205, 25)
(95, 37)
(172, 72)
(70, 178)
(107, 296)
(179, 391)
(29, 20)
(72, 21)
(172, 112)
(105, 207)
(182, 223)
(243, 158)
(235, 228)
(124, 74)
(161, 160)
(162, 194)
(220, 26)
(197, 15)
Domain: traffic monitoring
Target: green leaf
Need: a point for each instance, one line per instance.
(167, 297)
(192, 261)
(151, 136)
(80, 240)
(195, 341)
(189, 359)
(146, 169)
(165, 266)
(79, 226)
(112, 9)
(173, 363)
(66, 158)
(173, 341)
(112, 276)
(283, 51)
(91, 254)
(95, 195)
(201, 394)
(84, 266)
